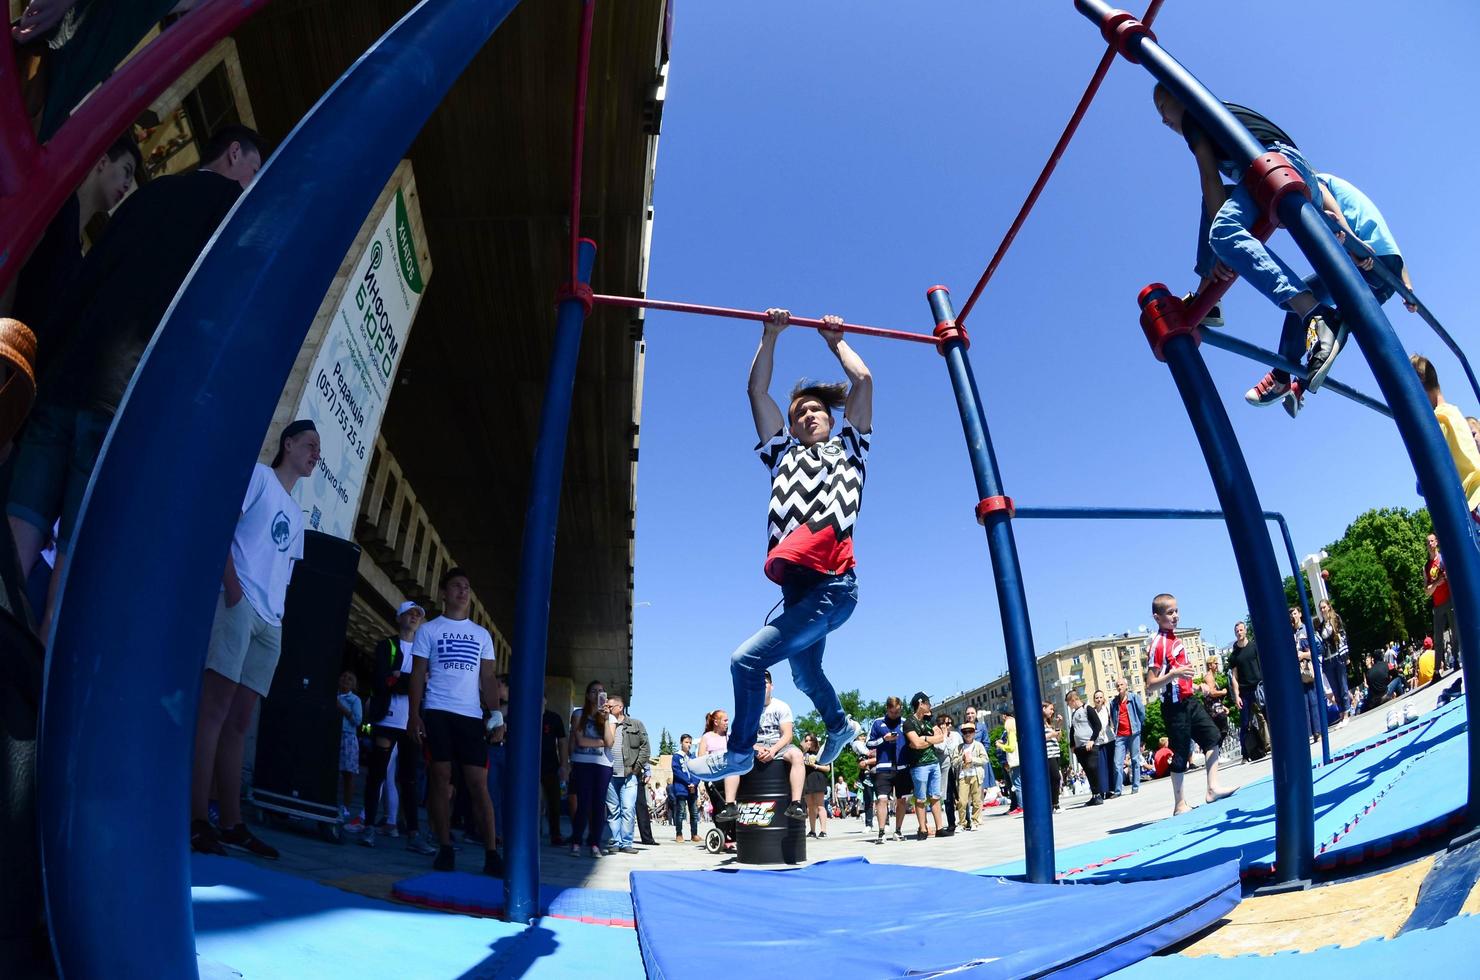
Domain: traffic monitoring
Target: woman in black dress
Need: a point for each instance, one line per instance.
(815, 787)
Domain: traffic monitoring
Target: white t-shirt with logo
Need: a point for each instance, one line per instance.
(776, 714)
(268, 540)
(454, 650)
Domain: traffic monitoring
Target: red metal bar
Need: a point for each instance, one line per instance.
(578, 136)
(66, 157)
(1204, 301)
(19, 153)
(1048, 168)
(633, 302)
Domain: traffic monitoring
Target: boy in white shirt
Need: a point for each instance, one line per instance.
(246, 637)
(454, 688)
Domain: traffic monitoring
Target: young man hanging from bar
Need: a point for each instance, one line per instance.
(816, 492)
(1227, 246)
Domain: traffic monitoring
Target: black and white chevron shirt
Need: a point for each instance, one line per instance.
(816, 493)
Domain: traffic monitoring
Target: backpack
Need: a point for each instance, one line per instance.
(1257, 740)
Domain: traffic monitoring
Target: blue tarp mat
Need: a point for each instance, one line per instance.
(1448, 951)
(462, 891)
(268, 924)
(1383, 794)
(859, 920)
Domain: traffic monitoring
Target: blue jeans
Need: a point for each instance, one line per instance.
(1107, 781)
(1313, 709)
(927, 783)
(1227, 237)
(496, 786)
(1015, 774)
(621, 810)
(1127, 745)
(815, 605)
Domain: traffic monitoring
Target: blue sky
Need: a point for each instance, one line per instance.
(844, 156)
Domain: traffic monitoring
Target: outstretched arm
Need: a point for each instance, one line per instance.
(763, 407)
(859, 409)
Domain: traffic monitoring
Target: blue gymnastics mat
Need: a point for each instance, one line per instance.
(267, 924)
(861, 920)
(1388, 793)
(1445, 951)
(461, 891)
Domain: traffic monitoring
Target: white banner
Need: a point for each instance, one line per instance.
(347, 389)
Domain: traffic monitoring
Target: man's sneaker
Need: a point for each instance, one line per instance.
(1214, 317)
(1268, 391)
(1017, 811)
(1330, 338)
(388, 830)
(493, 864)
(445, 860)
(718, 765)
(728, 813)
(367, 839)
(204, 839)
(1295, 400)
(796, 811)
(417, 844)
(628, 850)
(837, 741)
(239, 836)
(355, 826)
(948, 832)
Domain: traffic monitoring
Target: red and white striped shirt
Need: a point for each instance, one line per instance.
(1166, 653)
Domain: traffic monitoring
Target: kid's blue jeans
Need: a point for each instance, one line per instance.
(814, 604)
(1227, 237)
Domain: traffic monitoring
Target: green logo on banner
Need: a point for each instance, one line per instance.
(406, 247)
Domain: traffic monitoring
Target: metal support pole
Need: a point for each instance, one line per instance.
(114, 835)
(1294, 819)
(1437, 476)
(532, 604)
(1310, 631)
(1012, 601)
(1237, 345)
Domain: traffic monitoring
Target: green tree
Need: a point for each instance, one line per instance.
(1154, 728)
(665, 743)
(864, 711)
(1375, 576)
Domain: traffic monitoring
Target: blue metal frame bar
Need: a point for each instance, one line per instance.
(151, 550)
(1358, 249)
(1192, 514)
(1012, 600)
(532, 607)
(1234, 345)
(1437, 476)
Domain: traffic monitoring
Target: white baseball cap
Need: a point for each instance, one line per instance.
(407, 606)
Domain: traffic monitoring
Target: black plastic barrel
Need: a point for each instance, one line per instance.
(764, 834)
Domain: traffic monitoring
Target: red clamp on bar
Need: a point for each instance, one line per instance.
(991, 505)
(947, 331)
(1118, 27)
(1164, 316)
(1269, 178)
(577, 290)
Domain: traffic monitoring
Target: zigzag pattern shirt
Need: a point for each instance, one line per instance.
(816, 493)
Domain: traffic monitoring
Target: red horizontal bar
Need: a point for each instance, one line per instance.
(633, 302)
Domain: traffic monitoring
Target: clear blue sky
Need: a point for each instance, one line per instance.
(844, 156)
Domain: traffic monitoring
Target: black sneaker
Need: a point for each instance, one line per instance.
(880, 838)
(728, 813)
(1330, 336)
(204, 839)
(493, 864)
(796, 811)
(948, 832)
(240, 837)
(1214, 317)
(445, 860)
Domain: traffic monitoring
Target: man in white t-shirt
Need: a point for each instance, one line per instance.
(454, 688)
(772, 741)
(246, 638)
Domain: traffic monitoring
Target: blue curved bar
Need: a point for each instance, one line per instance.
(1012, 601)
(118, 720)
(532, 609)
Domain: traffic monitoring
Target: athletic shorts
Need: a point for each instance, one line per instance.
(244, 646)
(1187, 722)
(455, 738)
(926, 782)
(887, 785)
(349, 752)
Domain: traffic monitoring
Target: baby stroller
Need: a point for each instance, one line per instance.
(721, 836)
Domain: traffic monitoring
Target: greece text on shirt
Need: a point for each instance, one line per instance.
(454, 650)
(268, 539)
(816, 493)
